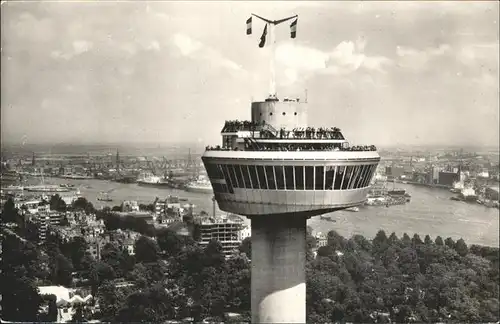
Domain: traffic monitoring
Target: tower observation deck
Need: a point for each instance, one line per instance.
(279, 171)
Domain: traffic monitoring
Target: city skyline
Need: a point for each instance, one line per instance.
(160, 72)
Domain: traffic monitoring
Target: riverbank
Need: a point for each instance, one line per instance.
(430, 211)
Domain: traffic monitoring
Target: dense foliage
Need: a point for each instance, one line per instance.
(171, 277)
(404, 280)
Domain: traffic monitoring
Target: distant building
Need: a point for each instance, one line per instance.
(46, 219)
(245, 232)
(394, 172)
(161, 205)
(31, 206)
(448, 178)
(69, 198)
(95, 246)
(147, 216)
(492, 193)
(130, 206)
(225, 229)
(321, 240)
(483, 174)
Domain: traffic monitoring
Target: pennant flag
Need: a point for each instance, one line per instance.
(263, 38)
(249, 26)
(293, 28)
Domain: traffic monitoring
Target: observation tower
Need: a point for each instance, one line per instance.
(279, 171)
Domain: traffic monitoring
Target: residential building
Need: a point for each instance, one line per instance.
(245, 232)
(225, 229)
(130, 206)
(321, 240)
(47, 219)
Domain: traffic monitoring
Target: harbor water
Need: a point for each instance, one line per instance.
(430, 211)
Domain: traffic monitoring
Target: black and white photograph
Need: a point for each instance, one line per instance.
(250, 161)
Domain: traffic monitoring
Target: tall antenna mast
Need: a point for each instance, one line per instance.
(270, 28)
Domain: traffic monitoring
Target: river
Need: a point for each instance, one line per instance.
(430, 212)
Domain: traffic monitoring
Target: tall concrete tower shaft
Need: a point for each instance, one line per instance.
(278, 269)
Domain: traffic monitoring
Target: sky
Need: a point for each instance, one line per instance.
(386, 73)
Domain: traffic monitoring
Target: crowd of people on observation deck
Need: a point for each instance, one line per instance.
(232, 126)
(287, 147)
(311, 133)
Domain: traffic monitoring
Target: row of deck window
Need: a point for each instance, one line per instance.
(269, 177)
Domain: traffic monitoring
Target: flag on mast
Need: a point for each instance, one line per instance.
(249, 26)
(263, 37)
(293, 28)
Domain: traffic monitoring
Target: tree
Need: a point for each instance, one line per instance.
(57, 203)
(100, 272)
(78, 247)
(140, 276)
(393, 239)
(81, 314)
(416, 240)
(212, 255)
(20, 264)
(32, 232)
(146, 250)
(64, 221)
(20, 298)
(380, 242)
(112, 255)
(439, 241)
(449, 243)
(406, 240)
(10, 213)
(152, 305)
(61, 270)
(310, 245)
(336, 240)
(427, 240)
(169, 242)
(83, 204)
(51, 315)
(238, 280)
(110, 299)
(246, 247)
(461, 247)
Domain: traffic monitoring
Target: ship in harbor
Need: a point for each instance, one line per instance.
(164, 182)
(458, 186)
(200, 185)
(398, 193)
(47, 188)
(379, 195)
(468, 194)
(104, 196)
(75, 176)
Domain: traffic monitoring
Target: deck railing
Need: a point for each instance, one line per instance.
(254, 146)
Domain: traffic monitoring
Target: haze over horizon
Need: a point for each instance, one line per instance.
(386, 73)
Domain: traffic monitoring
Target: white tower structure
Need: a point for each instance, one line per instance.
(278, 171)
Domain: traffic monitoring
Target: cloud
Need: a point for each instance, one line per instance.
(81, 46)
(479, 53)
(346, 58)
(416, 60)
(195, 49)
(78, 47)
